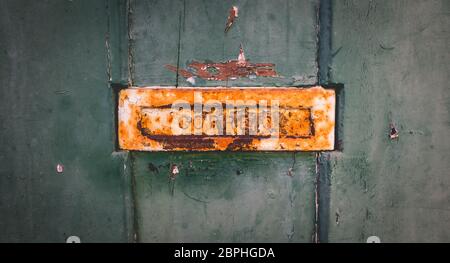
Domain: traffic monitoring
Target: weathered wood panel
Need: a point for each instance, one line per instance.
(224, 197)
(56, 107)
(393, 58)
(177, 32)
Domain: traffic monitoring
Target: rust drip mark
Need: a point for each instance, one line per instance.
(233, 13)
(393, 133)
(229, 70)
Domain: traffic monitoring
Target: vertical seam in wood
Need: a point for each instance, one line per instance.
(178, 50)
(324, 41)
(136, 236)
(321, 202)
(130, 43)
(315, 237)
(107, 42)
(182, 14)
(134, 214)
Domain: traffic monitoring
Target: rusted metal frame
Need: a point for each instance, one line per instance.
(235, 93)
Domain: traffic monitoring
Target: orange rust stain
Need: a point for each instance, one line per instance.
(306, 119)
(165, 96)
(296, 122)
(222, 143)
(231, 69)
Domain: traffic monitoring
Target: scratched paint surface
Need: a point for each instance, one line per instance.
(304, 119)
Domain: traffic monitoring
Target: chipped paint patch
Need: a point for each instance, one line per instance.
(221, 119)
(233, 13)
(393, 132)
(191, 80)
(231, 69)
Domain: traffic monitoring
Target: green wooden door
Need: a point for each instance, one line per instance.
(63, 61)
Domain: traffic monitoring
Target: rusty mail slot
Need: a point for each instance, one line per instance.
(224, 118)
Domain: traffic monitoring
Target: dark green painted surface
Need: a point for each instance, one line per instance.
(56, 107)
(393, 57)
(153, 35)
(225, 197)
(177, 32)
(279, 32)
(264, 203)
